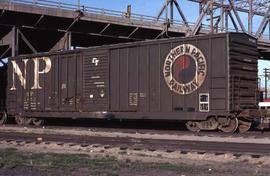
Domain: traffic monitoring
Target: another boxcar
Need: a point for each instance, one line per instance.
(208, 81)
(3, 93)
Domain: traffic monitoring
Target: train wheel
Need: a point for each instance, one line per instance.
(3, 118)
(22, 120)
(19, 120)
(192, 126)
(230, 126)
(37, 122)
(27, 121)
(244, 126)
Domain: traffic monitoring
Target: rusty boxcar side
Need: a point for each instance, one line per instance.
(189, 78)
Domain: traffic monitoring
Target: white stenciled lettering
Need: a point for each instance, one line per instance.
(18, 72)
(37, 71)
(22, 77)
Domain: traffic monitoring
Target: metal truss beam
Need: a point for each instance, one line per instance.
(198, 23)
(64, 43)
(215, 27)
(105, 28)
(163, 8)
(12, 39)
(15, 41)
(233, 22)
(7, 39)
(250, 16)
(39, 20)
(27, 42)
(171, 20)
(133, 32)
(237, 15)
(76, 19)
(231, 9)
(2, 12)
(238, 8)
(263, 24)
(181, 13)
(4, 53)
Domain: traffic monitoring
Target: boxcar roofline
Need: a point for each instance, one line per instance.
(137, 43)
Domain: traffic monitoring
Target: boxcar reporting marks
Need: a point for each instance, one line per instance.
(185, 69)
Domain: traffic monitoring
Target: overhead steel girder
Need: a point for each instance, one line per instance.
(27, 42)
(64, 43)
(12, 39)
(216, 24)
(263, 24)
(15, 41)
(198, 23)
(171, 2)
(6, 40)
(181, 13)
(133, 32)
(105, 28)
(237, 16)
(3, 54)
(217, 4)
(39, 20)
(75, 20)
(162, 9)
(233, 21)
(2, 12)
(250, 16)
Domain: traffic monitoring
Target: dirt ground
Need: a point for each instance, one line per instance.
(27, 159)
(25, 163)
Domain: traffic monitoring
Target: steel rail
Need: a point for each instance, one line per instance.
(140, 144)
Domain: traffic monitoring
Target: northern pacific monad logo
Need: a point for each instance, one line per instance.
(185, 69)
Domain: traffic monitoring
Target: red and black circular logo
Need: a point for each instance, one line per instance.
(184, 69)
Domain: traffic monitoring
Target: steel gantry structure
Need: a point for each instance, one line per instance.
(31, 26)
(220, 12)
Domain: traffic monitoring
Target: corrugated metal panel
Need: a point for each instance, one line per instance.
(243, 72)
(136, 74)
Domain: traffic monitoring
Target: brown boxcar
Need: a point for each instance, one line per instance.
(190, 79)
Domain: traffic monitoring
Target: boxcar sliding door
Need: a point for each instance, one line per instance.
(95, 80)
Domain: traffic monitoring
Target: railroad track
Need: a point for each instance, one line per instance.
(151, 144)
(131, 129)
